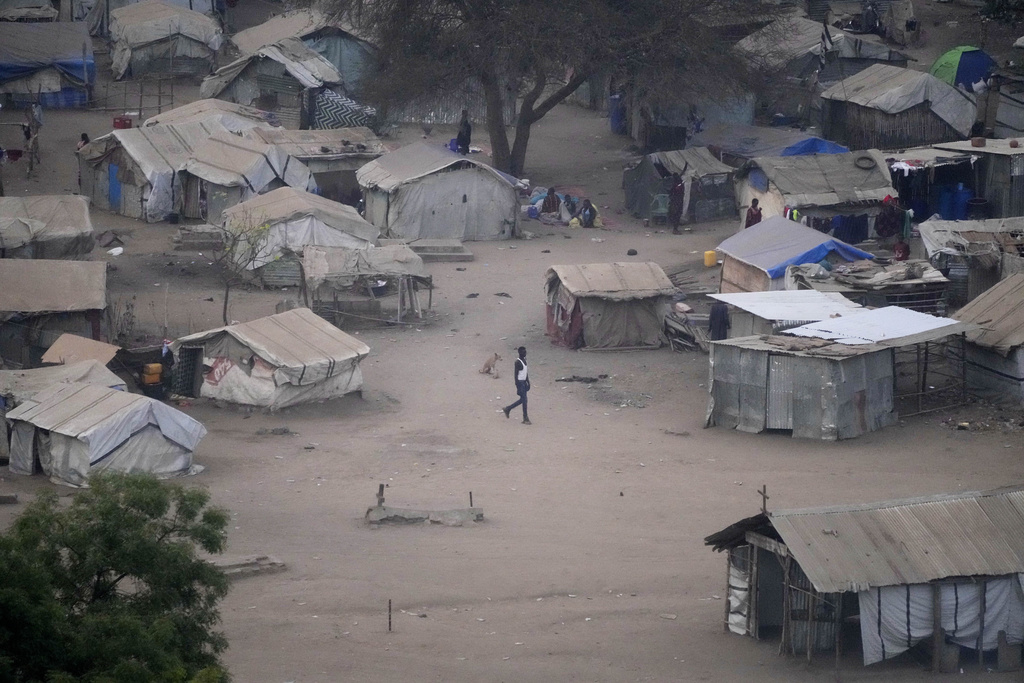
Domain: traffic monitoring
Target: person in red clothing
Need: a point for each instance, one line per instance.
(753, 214)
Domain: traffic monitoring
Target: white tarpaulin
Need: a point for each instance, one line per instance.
(143, 25)
(894, 618)
(76, 429)
(233, 161)
(890, 326)
(892, 90)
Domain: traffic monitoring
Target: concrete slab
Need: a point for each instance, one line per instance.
(244, 567)
(382, 514)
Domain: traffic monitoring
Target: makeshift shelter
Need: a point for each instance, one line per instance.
(945, 570)
(963, 65)
(45, 227)
(345, 284)
(332, 156)
(913, 284)
(755, 259)
(995, 360)
(270, 231)
(927, 179)
(228, 115)
(839, 193)
(607, 305)
(1000, 173)
(17, 386)
(900, 23)
(277, 78)
(773, 312)
(886, 107)
(70, 431)
(427, 191)
(156, 37)
(96, 14)
(50, 63)
(227, 170)
(27, 10)
(708, 182)
(734, 144)
(71, 348)
(976, 254)
(274, 362)
(41, 300)
(840, 377)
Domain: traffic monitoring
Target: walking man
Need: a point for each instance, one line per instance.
(521, 374)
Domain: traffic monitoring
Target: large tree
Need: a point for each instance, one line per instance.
(541, 52)
(109, 589)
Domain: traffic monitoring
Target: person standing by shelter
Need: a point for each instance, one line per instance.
(465, 134)
(521, 375)
(676, 197)
(753, 214)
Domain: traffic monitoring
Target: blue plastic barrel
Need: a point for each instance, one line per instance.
(946, 204)
(617, 114)
(961, 197)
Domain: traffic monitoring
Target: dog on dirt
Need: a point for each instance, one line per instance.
(491, 366)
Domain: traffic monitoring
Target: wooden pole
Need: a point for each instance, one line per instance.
(981, 623)
(401, 295)
(470, 499)
(389, 615)
(809, 640)
(142, 86)
(728, 587)
(937, 636)
(786, 606)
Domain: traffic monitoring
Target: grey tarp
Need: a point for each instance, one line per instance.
(154, 30)
(35, 286)
(45, 227)
(98, 13)
(77, 429)
(230, 116)
(308, 68)
(747, 142)
(44, 57)
(652, 175)
(32, 10)
(339, 266)
(278, 361)
(825, 179)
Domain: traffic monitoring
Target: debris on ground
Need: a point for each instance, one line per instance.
(687, 332)
(579, 378)
(276, 431)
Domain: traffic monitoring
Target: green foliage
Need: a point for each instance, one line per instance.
(109, 589)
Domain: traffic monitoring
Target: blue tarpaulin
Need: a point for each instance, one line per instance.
(747, 142)
(26, 48)
(812, 145)
(776, 242)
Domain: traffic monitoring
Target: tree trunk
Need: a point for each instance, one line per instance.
(227, 293)
(493, 96)
(518, 160)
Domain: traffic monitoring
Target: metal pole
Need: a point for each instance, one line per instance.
(389, 615)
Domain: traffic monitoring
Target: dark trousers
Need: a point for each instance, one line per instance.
(522, 391)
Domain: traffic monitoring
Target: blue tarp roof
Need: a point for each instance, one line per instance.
(26, 48)
(748, 142)
(777, 242)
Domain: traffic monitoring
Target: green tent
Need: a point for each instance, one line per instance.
(963, 65)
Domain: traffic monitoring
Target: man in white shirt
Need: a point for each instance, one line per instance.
(521, 374)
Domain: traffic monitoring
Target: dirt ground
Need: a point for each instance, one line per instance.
(594, 515)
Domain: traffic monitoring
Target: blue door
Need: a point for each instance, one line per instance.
(113, 188)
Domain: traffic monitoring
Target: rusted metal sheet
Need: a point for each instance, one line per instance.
(852, 548)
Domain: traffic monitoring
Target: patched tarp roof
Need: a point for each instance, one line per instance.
(412, 162)
(44, 286)
(827, 179)
(327, 144)
(152, 20)
(891, 327)
(296, 24)
(232, 161)
(972, 238)
(694, 162)
(777, 242)
(613, 281)
(43, 217)
(748, 142)
(231, 116)
(999, 315)
(286, 204)
(892, 89)
(298, 343)
(26, 48)
(309, 68)
(791, 38)
(101, 415)
(21, 385)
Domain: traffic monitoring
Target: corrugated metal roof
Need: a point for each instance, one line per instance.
(615, 281)
(41, 286)
(999, 315)
(971, 238)
(911, 541)
(803, 304)
(891, 327)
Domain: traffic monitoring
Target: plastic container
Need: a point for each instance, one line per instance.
(946, 204)
(152, 369)
(617, 114)
(961, 196)
(151, 378)
(121, 122)
(710, 259)
(977, 209)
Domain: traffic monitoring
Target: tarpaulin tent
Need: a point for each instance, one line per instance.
(49, 62)
(45, 227)
(963, 65)
(886, 107)
(734, 144)
(97, 13)
(607, 305)
(755, 259)
(74, 430)
(427, 191)
(278, 225)
(158, 37)
(709, 190)
(233, 117)
(278, 361)
(995, 351)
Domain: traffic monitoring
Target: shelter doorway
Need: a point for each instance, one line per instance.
(113, 188)
(187, 375)
(780, 392)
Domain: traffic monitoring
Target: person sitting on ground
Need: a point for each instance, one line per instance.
(465, 134)
(551, 202)
(587, 214)
(753, 214)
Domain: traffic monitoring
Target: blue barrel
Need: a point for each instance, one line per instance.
(961, 198)
(946, 203)
(617, 114)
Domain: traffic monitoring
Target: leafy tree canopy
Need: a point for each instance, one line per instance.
(109, 589)
(543, 51)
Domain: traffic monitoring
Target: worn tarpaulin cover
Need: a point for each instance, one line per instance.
(777, 242)
(45, 227)
(612, 281)
(230, 116)
(892, 89)
(19, 10)
(233, 161)
(20, 385)
(310, 69)
(97, 13)
(792, 38)
(889, 326)
(26, 48)
(826, 179)
(43, 286)
(895, 618)
(748, 142)
(340, 266)
(999, 315)
(969, 238)
(143, 24)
